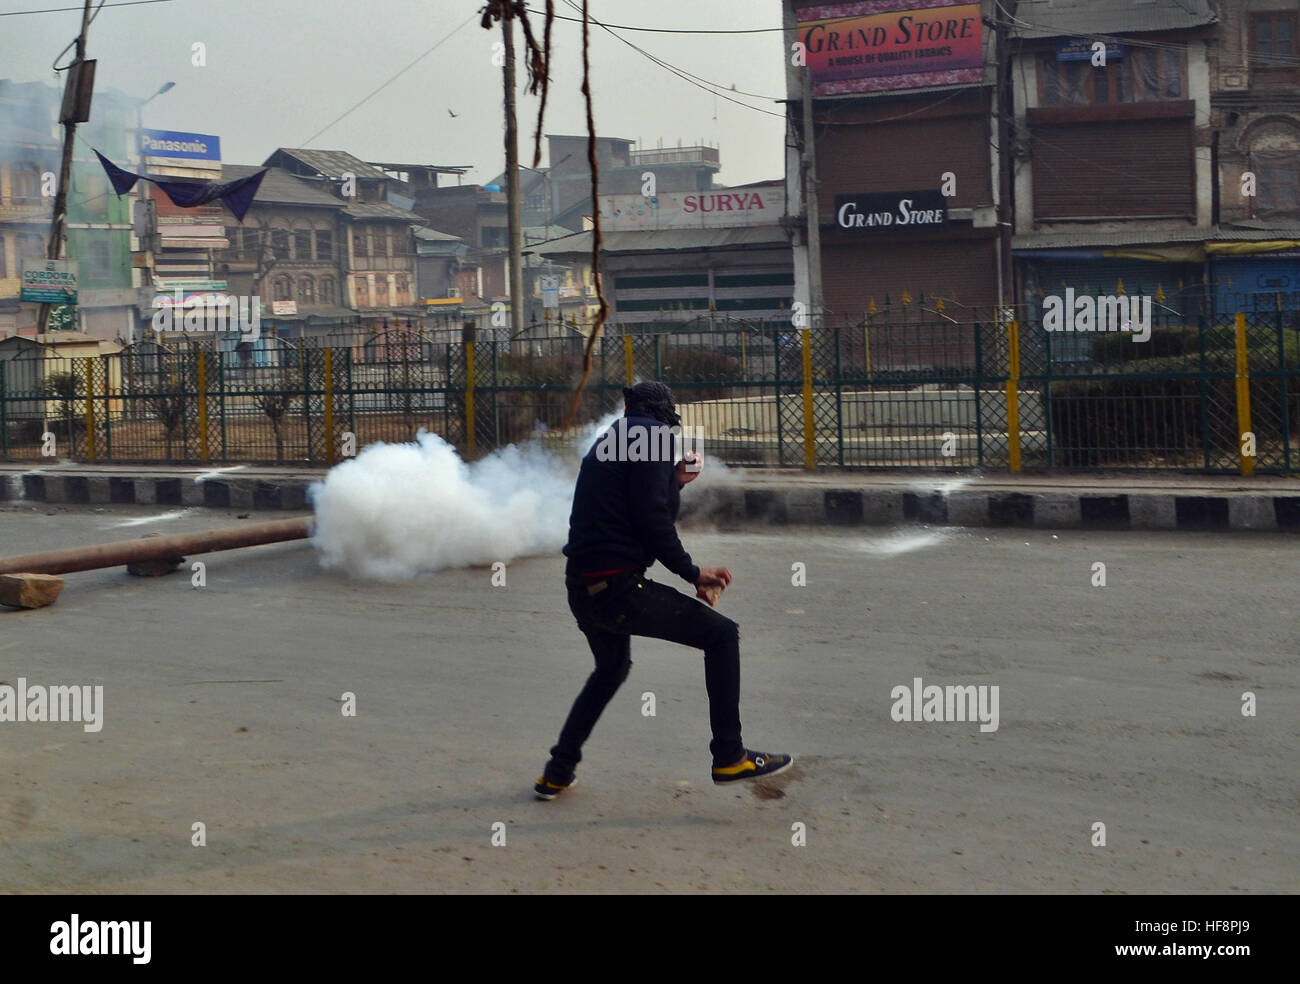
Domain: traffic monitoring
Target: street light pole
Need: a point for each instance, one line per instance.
(139, 192)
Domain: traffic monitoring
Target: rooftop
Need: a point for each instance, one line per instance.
(279, 187)
(331, 163)
(1068, 18)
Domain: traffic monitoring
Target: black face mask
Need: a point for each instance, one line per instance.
(654, 400)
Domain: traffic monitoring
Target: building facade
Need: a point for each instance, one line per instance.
(901, 143)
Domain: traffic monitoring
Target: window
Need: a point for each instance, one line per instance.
(403, 291)
(381, 292)
(324, 244)
(306, 290)
(280, 245)
(252, 239)
(360, 244)
(1273, 48)
(3, 274)
(1136, 75)
(29, 246)
(26, 183)
(302, 244)
(363, 291)
(327, 290)
(94, 187)
(101, 263)
(283, 290)
(1278, 191)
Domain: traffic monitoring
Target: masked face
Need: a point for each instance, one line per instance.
(654, 400)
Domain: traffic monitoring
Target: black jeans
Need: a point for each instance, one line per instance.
(635, 605)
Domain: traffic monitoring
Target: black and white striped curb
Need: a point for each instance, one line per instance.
(1047, 510)
(98, 489)
(739, 506)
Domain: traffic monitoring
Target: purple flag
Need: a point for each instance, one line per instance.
(237, 195)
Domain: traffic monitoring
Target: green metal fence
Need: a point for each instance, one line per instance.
(913, 387)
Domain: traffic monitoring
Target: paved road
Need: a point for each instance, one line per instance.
(1119, 704)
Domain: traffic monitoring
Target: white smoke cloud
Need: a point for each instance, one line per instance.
(396, 510)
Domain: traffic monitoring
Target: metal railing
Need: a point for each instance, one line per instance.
(915, 388)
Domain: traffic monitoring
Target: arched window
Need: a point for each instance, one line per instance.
(280, 243)
(363, 292)
(324, 244)
(327, 290)
(306, 290)
(302, 244)
(283, 290)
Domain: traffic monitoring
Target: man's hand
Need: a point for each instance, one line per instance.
(688, 468)
(710, 576)
(709, 593)
(711, 584)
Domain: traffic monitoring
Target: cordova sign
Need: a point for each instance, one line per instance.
(49, 281)
(888, 210)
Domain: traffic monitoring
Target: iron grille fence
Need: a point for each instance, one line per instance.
(912, 387)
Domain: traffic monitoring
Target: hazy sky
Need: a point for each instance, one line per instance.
(278, 71)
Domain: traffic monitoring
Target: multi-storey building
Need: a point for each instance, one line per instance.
(1255, 115)
(901, 142)
(29, 150)
(98, 229)
(1112, 159)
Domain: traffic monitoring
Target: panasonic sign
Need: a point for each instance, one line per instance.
(185, 146)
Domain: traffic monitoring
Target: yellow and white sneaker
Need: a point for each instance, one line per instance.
(754, 765)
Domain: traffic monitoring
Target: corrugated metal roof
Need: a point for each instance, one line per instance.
(279, 187)
(333, 163)
(1070, 18)
(381, 210)
(663, 240)
(434, 235)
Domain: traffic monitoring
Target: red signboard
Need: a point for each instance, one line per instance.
(888, 44)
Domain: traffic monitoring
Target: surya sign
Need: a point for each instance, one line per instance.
(755, 205)
(864, 47)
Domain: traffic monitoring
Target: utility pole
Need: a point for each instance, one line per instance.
(1004, 147)
(73, 109)
(518, 303)
(812, 210)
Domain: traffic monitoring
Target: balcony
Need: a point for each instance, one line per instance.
(676, 155)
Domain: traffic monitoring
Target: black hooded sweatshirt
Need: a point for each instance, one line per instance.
(624, 512)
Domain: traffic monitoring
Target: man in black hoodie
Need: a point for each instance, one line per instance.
(624, 514)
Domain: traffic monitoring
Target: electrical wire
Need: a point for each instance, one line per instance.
(394, 78)
(670, 30)
(60, 10)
